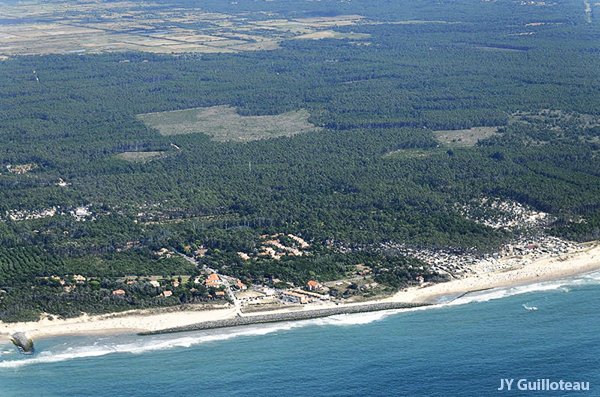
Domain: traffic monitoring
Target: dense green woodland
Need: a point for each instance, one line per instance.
(338, 187)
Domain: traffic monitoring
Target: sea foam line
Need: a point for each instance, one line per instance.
(142, 345)
(499, 293)
(149, 344)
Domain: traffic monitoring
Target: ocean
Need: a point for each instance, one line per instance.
(461, 349)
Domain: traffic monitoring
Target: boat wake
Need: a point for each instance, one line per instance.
(530, 308)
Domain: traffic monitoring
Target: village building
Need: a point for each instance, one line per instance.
(293, 297)
(166, 294)
(200, 252)
(311, 295)
(363, 270)
(313, 285)
(81, 212)
(57, 280)
(213, 280)
(79, 279)
(240, 285)
(119, 292)
(303, 244)
(163, 252)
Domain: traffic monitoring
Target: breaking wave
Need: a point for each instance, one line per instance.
(165, 342)
(142, 345)
(499, 293)
(139, 345)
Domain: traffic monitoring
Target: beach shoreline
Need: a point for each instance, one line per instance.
(148, 321)
(549, 268)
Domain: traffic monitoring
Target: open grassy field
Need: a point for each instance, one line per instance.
(464, 138)
(36, 27)
(140, 157)
(554, 118)
(410, 153)
(332, 34)
(224, 124)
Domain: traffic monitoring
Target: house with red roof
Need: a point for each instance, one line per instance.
(213, 280)
(313, 285)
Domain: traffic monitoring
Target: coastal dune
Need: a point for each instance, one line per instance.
(543, 269)
(198, 317)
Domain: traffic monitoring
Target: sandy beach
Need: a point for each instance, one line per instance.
(117, 323)
(542, 269)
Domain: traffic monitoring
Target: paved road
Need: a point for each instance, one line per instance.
(226, 282)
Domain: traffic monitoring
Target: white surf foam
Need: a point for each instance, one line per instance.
(354, 319)
(144, 344)
(367, 317)
(103, 346)
(499, 293)
(163, 342)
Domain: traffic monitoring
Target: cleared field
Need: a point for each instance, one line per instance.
(464, 138)
(224, 124)
(554, 118)
(140, 157)
(409, 154)
(39, 27)
(332, 34)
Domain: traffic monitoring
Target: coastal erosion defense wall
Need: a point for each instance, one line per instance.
(291, 316)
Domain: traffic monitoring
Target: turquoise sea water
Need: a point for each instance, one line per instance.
(463, 349)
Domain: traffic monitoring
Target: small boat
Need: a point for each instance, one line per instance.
(530, 308)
